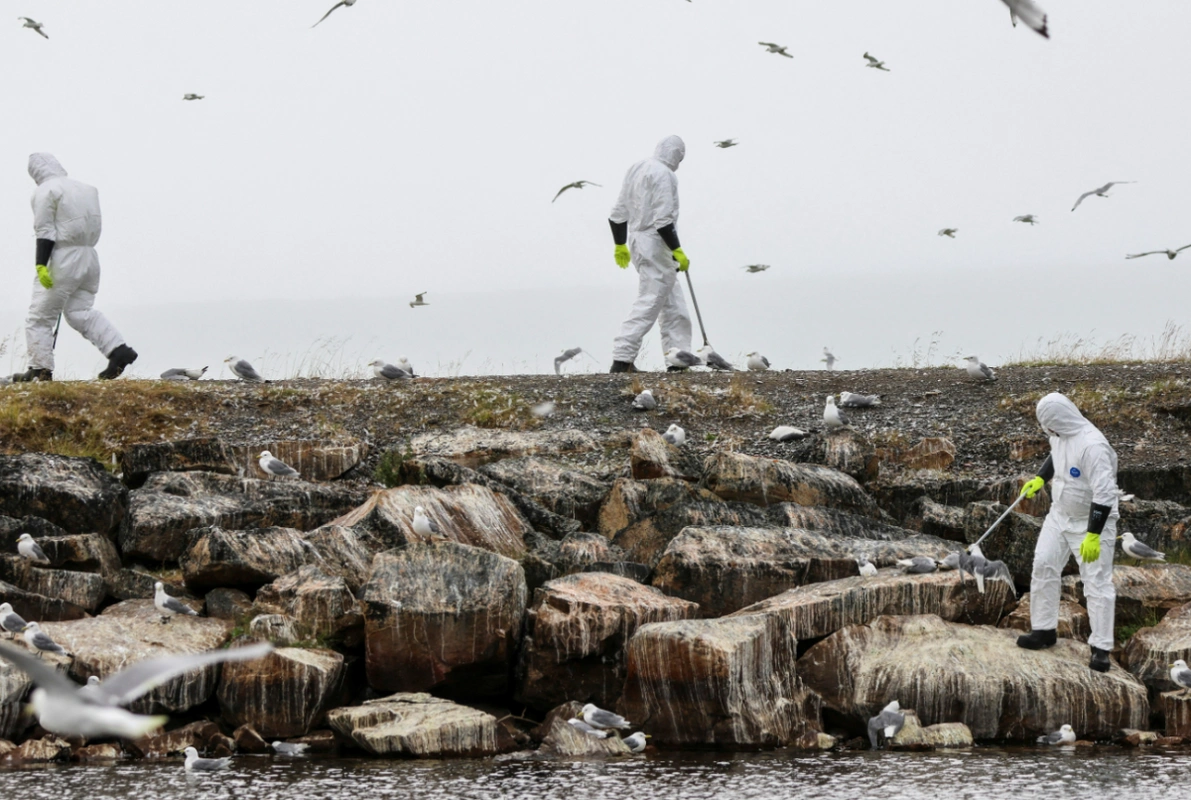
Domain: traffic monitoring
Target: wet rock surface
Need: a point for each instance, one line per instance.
(765, 481)
(1073, 619)
(286, 693)
(566, 492)
(76, 494)
(1149, 653)
(628, 501)
(415, 724)
(1144, 594)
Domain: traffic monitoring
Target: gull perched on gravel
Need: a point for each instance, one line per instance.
(169, 606)
(1030, 13)
(275, 467)
(1180, 675)
(1064, 735)
(403, 363)
(867, 568)
(599, 718)
(381, 369)
(182, 374)
(63, 708)
(30, 550)
(682, 359)
(196, 764)
(644, 401)
(888, 722)
(193, 96)
(636, 742)
(289, 749)
(1168, 253)
(757, 362)
(829, 359)
(575, 185)
(853, 400)
(724, 144)
(918, 565)
(875, 63)
(566, 356)
(243, 370)
(1029, 219)
(1101, 192)
(347, 3)
(753, 269)
(978, 370)
(831, 416)
(40, 641)
(1139, 550)
(424, 526)
(787, 433)
(34, 25)
(949, 232)
(675, 436)
(714, 359)
(10, 621)
(585, 728)
(418, 301)
(780, 49)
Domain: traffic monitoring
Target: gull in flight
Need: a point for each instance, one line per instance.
(275, 468)
(183, 374)
(63, 709)
(34, 25)
(418, 301)
(1168, 253)
(169, 606)
(831, 416)
(1028, 12)
(829, 359)
(780, 49)
(636, 742)
(30, 550)
(724, 144)
(755, 268)
(681, 359)
(1064, 735)
(978, 370)
(597, 717)
(645, 401)
(1101, 192)
(1029, 219)
(243, 370)
(714, 359)
(566, 356)
(949, 232)
(875, 63)
(387, 371)
(787, 433)
(1139, 550)
(575, 185)
(675, 436)
(347, 3)
(757, 362)
(196, 764)
(193, 96)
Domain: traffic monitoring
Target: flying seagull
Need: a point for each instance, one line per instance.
(418, 301)
(10, 621)
(1180, 676)
(755, 268)
(780, 49)
(289, 749)
(63, 709)
(347, 3)
(275, 468)
(193, 96)
(169, 606)
(888, 722)
(644, 401)
(1028, 12)
(724, 144)
(1101, 192)
(1029, 219)
(949, 232)
(243, 370)
(714, 359)
(682, 359)
(424, 526)
(196, 764)
(1139, 550)
(831, 416)
(30, 550)
(829, 359)
(575, 185)
(875, 64)
(787, 433)
(40, 642)
(636, 742)
(35, 25)
(183, 374)
(566, 356)
(675, 435)
(978, 370)
(852, 400)
(387, 371)
(1168, 253)
(597, 717)
(757, 362)
(1064, 735)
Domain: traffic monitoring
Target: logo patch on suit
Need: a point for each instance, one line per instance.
(1075, 473)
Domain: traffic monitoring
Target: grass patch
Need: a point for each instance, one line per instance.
(737, 401)
(1125, 632)
(1112, 405)
(390, 470)
(1172, 345)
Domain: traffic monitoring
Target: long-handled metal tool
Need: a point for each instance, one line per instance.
(695, 303)
(57, 328)
(993, 527)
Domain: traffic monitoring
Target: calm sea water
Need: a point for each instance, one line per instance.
(985, 773)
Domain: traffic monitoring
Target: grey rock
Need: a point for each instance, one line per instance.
(415, 724)
(563, 491)
(286, 693)
(77, 494)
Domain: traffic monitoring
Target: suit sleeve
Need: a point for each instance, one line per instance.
(45, 211)
(620, 211)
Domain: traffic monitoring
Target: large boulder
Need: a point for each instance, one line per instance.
(651, 457)
(645, 540)
(286, 693)
(821, 609)
(1144, 594)
(566, 492)
(314, 460)
(835, 523)
(84, 590)
(851, 452)
(132, 631)
(139, 461)
(725, 569)
(468, 514)
(415, 724)
(766, 481)
(77, 494)
(34, 606)
(1161, 524)
(14, 685)
(913, 736)
(246, 559)
(971, 674)
(1176, 709)
(723, 683)
(1150, 652)
(576, 633)
(563, 740)
(629, 501)
(344, 552)
(444, 616)
(471, 447)
(899, 495)
(1073, 619)
(169, 505)
(322, 606)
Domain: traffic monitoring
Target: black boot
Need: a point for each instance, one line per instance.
(1037, 640)
(622, 366)
(1100, 661)
(33, 374)
(120, 358)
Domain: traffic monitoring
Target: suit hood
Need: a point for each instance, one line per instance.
(670, 151)
(1058, 415)
(43, 166)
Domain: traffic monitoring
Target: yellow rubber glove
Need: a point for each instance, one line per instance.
(621, 253)
(43, 275)
(1089, 551)
(1032, 487)
(684, 263)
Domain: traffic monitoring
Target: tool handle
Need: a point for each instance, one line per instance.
(993, 527)
(695, 303)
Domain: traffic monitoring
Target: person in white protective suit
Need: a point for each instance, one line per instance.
(67, 223)
(644, 229)
(1082, 468)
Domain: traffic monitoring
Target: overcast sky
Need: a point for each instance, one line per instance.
(411, 145)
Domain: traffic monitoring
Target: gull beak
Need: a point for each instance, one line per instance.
(29, 626)
(647, 736)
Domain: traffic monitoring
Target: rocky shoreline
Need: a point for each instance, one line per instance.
(708, 592)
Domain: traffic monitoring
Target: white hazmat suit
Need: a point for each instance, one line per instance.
(66, 212)
(1085, 473)
(649, 201)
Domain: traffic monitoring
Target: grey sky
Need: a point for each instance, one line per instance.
(415, 145)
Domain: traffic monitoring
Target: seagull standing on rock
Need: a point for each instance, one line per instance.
(636, 742)
(1064, 735)
(757, 362)
(831, 416)
(867, 568)
(40, 642)
(675, 436)
(978, 370)
(10, 621)
(424, 526)
(681, 360)
(1139, 550)
(714, 359)
(388, 372)
(403, 363)
(243, 370)
(599, 718)
(30, 550)
(169, 606)
(275, 467)
(1180, 675)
